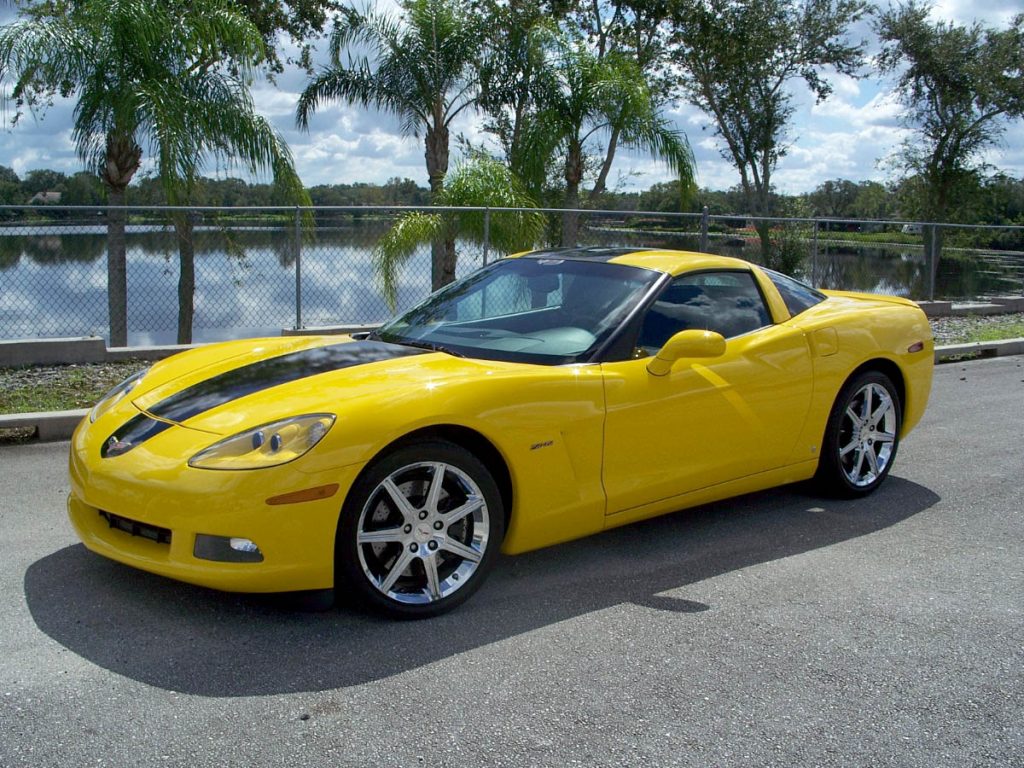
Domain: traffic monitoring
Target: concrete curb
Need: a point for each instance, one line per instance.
(48, 425)
(980, 349)
(15, 353)
(59, 425)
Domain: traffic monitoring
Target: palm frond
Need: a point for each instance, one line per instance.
(418, 65)
(398, 245)
(484, 182)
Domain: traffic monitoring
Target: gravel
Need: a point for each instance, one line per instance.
(88, 376)
(958, 330)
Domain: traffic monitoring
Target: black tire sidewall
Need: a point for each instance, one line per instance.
(351, 583)
(830, 476)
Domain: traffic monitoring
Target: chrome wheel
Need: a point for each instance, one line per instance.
(867, 435)
(861, 437)
(423, 532)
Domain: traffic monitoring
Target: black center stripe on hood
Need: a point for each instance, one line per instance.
(232, 385)
(237, 383)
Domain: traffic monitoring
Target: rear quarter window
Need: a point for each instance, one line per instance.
(798, 297)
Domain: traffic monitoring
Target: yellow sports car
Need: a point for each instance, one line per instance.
(542, 398)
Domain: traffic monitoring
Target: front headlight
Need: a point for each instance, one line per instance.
(116, 395)
(266, 446)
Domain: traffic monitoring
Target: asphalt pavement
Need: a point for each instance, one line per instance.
(778, 629)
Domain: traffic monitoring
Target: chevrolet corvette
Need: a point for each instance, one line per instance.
(542, 398)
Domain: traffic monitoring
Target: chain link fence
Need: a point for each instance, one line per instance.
(258, 271)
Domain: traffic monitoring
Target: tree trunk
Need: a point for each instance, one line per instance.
(442, 250)
(764, 234)
(758, 196)
(122, 160)
(609, 156)
(936, 209)
(117, 273)
(183, 229)
(570, 216)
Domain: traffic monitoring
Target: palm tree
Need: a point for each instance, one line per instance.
(587, 97)
(149, 75)
(480, 182)
(419, 67)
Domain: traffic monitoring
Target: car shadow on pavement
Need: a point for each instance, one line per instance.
(198, 641)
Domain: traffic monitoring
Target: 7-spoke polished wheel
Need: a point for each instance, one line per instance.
(425, 530)
(867, 435)
(861, 437)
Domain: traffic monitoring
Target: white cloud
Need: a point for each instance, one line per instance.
(845, 135)
(881, 109)
(987, 12)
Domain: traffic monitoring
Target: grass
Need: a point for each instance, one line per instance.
(996, 331)
(60, 388)
(901, 238)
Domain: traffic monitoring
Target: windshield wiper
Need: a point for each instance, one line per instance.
(425, 345)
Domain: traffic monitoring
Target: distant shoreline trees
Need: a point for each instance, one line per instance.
(996, 199)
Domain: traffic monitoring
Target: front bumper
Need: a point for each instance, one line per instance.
(153, 487)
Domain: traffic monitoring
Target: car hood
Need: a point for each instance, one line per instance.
(231, 387)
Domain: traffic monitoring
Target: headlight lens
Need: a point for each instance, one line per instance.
(116, 395)
(266, 446)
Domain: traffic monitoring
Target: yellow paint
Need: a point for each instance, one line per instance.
(824, 341)
(586, 446)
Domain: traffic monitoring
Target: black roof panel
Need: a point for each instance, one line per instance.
(593, 253)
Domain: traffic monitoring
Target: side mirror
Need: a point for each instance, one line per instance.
(686, 344)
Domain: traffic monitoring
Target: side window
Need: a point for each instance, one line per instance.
(797, 296)
(729, 303)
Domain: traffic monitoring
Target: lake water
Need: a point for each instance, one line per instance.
(53, 278)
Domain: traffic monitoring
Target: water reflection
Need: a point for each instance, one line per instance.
(53, 281)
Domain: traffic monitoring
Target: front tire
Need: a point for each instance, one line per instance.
(419, 530)
(861, 437)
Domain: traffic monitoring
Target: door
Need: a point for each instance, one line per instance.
(706, 421)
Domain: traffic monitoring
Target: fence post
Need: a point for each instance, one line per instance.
(933, 265)
(298, 267)
(814, 257)
(487, 233)
(704, 230)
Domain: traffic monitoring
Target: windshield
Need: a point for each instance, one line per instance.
(550, 311)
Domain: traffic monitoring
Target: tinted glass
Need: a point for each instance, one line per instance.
(729, 303)
(548, 310)
(797, 296)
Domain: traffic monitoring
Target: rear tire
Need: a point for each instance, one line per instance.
(861, 436)
(419, 531)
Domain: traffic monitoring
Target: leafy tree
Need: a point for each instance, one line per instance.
(834, 198)
(480, 182)
(1003, 200)
(662, 197)
(872, 201)
(398, 191)
(42, 180)
(513, 73)
(148, 74)
(961, 86)
(83, 188)
(419, 67)
(299, 20)
(589, 98)
(10, 194)
(739, 58)
(521, 70)
(637, 31)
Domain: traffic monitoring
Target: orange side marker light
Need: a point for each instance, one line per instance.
(310, 494)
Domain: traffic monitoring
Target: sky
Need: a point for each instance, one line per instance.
(849, 136)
